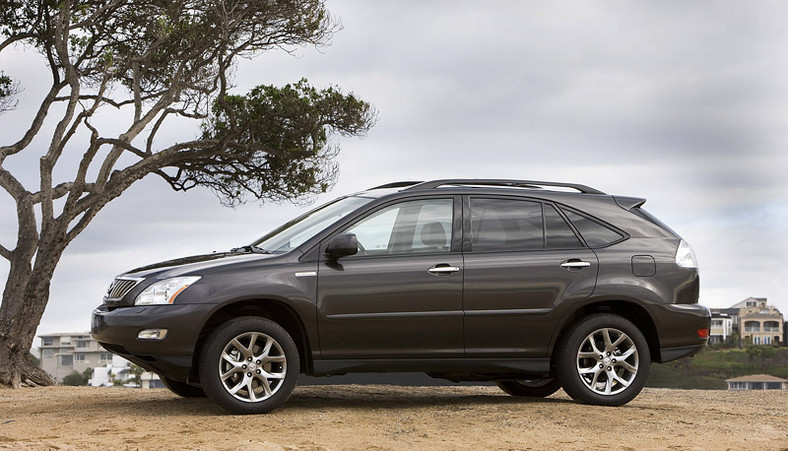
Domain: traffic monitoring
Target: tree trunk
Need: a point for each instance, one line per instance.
(24, 300)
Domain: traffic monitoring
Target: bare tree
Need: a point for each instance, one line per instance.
(152, 61)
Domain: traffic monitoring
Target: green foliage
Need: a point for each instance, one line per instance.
(709, 369)
(76, 379)
(5, 85)
(8, 90)
(278, 141)
(136, 373)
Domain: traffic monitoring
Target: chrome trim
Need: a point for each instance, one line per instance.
(120, 287)
(443, 270)
(697, 309)
(575, 264)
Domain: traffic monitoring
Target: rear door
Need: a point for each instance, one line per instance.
(521, 259)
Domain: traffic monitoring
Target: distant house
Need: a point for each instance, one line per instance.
(62, 354)
(757, 382)
(752, 319)
(721, 328)
(761, 324)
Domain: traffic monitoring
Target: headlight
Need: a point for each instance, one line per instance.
(685, 256)
(166, 291)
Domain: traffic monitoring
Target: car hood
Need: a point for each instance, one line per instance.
(185, 265)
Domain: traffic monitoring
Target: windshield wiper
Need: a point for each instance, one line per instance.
(250, 248)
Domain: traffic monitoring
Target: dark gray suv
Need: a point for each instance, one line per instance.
(534, 285)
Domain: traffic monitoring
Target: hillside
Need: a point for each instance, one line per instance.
(709, 369)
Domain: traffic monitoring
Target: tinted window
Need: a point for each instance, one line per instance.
(503, 224)
(407, 227)
(558, 233)
(594, 233)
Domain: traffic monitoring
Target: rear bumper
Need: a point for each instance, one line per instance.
(678, 326)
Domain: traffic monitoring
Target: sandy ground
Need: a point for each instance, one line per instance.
(388, 417)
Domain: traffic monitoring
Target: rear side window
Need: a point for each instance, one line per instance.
(513, 224)
(503, 224)
(595, 233)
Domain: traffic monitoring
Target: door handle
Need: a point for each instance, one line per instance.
(442, 270)
(575, 264)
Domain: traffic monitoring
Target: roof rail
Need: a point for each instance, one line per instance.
(533, 184)
(397, 185)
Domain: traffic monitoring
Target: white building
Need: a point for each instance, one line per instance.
(107, 375)
(62, 354)
(721, 328)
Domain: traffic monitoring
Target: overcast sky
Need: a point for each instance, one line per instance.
(683, 103)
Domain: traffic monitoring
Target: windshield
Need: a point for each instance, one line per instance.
(295, 232)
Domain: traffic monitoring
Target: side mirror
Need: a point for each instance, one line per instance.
(342, 245)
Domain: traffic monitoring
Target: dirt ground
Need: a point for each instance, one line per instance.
(379, 417)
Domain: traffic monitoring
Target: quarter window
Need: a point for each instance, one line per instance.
(409, 227)
(595, 234)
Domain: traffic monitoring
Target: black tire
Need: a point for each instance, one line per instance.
(603, 371)
(530, 388)
(182, 389)
(249, 365)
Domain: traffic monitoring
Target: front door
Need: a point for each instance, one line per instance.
(401, 295)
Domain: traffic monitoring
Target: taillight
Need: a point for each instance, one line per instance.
(703, 333)
(685, 256)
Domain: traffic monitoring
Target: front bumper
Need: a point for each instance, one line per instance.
(116, 330)
(678, 326)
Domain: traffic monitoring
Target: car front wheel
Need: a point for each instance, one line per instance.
(249, 365)
(605, 360)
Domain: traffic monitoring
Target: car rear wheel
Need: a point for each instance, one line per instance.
(605, 360)
(249, 365)
(531, 388)
(182, 389)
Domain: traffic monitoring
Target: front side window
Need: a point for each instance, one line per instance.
(295, 232)
(411, 227)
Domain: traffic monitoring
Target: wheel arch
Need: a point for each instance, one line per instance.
(271, 309)
(632, 311)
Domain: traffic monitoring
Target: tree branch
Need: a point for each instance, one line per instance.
(5, 253)
(35, 126)
(47, 162)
